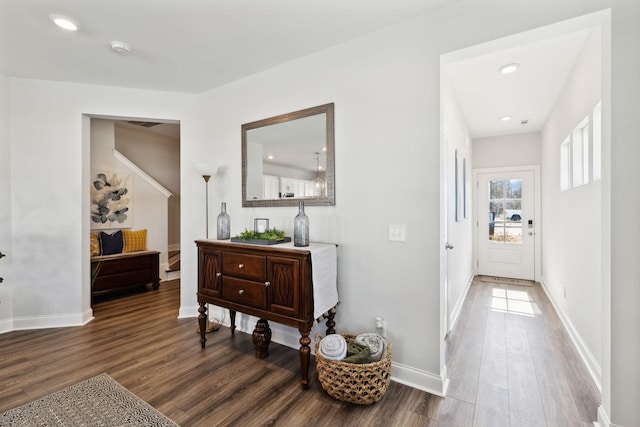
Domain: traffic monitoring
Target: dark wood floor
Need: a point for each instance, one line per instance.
(506, 369)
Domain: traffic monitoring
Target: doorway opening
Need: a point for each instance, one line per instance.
(143, 157)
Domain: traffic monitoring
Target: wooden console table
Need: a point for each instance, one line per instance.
(272, 282)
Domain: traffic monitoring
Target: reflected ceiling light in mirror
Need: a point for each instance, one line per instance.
(318, 183)
(509, 68)
(64, 22)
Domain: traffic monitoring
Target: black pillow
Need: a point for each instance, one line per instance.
(111, 243)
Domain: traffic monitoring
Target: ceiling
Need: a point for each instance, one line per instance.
(191, 46)
(182, 45)
(527, 95)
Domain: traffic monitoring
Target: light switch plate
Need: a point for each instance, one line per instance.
(397, 233)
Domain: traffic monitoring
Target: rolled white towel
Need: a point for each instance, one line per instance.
(333, 347)
(376, 343)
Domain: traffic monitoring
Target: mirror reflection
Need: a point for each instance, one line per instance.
(288, 158)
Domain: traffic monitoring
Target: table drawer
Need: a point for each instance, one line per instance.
(244, 292)
(251, 267)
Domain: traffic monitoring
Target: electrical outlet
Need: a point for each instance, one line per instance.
(381, 327)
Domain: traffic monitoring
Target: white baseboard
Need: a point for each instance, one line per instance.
(56, 321)
(419, 379)
(585, 354)
(455, 313)
(172, 275)
(187, 312)
(603, 419)
(6, 325)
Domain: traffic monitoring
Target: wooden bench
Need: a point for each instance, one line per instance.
(125, 271)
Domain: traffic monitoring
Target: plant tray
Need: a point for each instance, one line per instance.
(261, 241)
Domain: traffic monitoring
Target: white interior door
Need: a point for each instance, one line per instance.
(506, 224)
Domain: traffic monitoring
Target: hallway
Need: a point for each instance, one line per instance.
(512, 363)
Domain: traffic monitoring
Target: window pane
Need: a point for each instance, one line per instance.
(580, 153)
(565, 165)
(505, 211)
(597, 142)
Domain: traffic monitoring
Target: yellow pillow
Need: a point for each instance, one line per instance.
(94, 245)
(134, 240)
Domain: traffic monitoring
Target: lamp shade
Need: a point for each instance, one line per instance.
(204, 168)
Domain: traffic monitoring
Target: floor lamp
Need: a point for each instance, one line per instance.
(205, 171)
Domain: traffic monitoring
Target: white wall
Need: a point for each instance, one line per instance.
(50, 197)
(622, 178)
(571, 234)
(159, 156)
(6, 306)
(459, 233)
(149, 206)
(507, 150)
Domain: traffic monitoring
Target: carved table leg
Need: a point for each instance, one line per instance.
(305, 355)
(262, 338)
(202, 323)
(155, 285)
(330, 322)
(232, 319)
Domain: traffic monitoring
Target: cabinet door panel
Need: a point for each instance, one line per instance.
(284, 275)
(210, 272)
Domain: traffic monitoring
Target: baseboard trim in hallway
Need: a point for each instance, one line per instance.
(587, 357)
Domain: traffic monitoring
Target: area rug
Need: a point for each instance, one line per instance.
(505, 280)
(98, 401)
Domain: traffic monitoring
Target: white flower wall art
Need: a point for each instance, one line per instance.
(111, 203)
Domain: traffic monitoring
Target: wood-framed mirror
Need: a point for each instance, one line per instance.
(288, 158)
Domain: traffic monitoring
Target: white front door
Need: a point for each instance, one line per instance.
(506, 224)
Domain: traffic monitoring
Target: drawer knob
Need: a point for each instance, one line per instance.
(241, 291)
(267, 283)
(240, 265)
(218, 274)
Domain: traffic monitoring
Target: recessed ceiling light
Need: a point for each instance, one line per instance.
(64, 22)
(509, 68)
(270, 157)
(506, 118)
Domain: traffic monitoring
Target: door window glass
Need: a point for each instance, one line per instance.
(505, 210)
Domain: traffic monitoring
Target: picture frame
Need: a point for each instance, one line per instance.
(111, 200)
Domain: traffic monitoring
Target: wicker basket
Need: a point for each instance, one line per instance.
(361, 384)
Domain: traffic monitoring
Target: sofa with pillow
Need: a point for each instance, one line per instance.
(121, 261)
